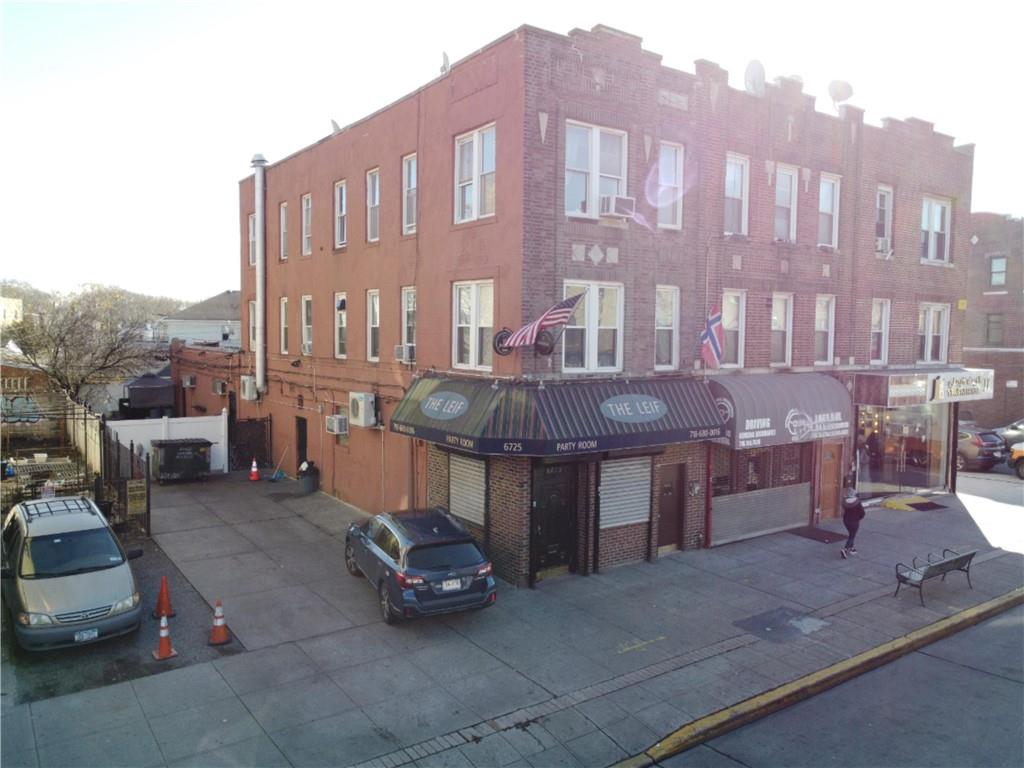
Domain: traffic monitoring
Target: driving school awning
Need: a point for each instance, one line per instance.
(554, 419)
(764, 409)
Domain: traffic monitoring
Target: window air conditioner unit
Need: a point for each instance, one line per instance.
(307, 347)
(220, 387)
(617, 206)
(362, 409)
(249, 391)
(882, 245)
(405, 352)
(189, 381)
(337, 424)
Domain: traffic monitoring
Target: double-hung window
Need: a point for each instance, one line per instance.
(883, 220)
(734, 310)
(283, 319)
(782, 329)
(595, 166)
(824, 329)
(994, 329)
(373, 325)
(737, 193)
(373, 205)
(670, 186)
(475, 164)
(340, 325)
(785, 204)
(666, 327)
(997, 270)
(473, 321)
(409, 194)
(828, 210)
(879, 331)
(409, 315)
(252, 325)
(252, 239)
(340, 214)
(283, 220)
(307, 325)
(307, 225)
(593, 336)
(932, 333)
(935, 230)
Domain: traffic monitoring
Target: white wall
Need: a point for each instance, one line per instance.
(143, 431)
(199, 330)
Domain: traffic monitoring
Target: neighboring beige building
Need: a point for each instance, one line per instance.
(11, 311)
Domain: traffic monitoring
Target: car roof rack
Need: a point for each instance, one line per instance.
(39, 507)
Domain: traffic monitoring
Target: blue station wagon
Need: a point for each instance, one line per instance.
(420, 562)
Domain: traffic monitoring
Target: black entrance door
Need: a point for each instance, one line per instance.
(553, 522)
(300, 441)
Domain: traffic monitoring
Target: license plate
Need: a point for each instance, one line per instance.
(85, 635)
(450, 585)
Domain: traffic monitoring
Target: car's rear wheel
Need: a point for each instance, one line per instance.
(350, 561)
(961, 462)
(386, 612)
(1020, 469)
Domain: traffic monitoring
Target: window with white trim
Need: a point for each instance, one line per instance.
(666, 327)
(373, 205)
(475, 164)
(994, 329)
(473, 324)
(737, 193)
(409, 315)
(409, 194)
(824, 329)
(883, 219)
(782, 329)
(828, 210)
(283, 324)
(283, 220)
(340, 214)
(670, 186)
(307, 225)
(307, 325)
(734, 311)
(935, 230)
(932, 333)
(997, 270)
(785, 204)
(595, 166)
(373, 325)
(340, 325)
(593, 335)
(252, 325)
(879, 331)
(252, 239)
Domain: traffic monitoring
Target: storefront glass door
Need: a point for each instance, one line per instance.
(902, 450)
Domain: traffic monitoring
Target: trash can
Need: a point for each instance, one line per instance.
(182, 459)
(309, 478)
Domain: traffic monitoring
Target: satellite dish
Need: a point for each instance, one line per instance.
(840, 91)
(335, 128)
(753, 78)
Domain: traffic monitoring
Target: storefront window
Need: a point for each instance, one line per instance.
(902, 449)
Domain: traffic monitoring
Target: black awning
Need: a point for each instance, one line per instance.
(764, 409)
(563, 418)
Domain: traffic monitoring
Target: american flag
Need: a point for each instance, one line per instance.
(556, 315)
(712, 339)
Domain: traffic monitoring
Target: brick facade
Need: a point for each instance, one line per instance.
(508, 517)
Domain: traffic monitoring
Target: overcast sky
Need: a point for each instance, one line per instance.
(125, 127)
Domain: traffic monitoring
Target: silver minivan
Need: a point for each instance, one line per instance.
(66, 578)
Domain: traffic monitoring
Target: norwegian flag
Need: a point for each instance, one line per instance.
(556, 315)
(712, 339)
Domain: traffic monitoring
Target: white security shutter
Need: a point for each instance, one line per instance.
(467, 486)
(739, 516)
(625, 492)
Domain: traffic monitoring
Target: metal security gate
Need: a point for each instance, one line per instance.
(625, 492)
(467, 488)
(249, 438)
(755, 513)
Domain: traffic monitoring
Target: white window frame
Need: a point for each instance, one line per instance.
(282, 219)
(886, 306)
(593, 169)
(409, 190)
(741, 335)
(307, 225)
(930, 309)
(252, 239)
(340, 322)
(307, 328)
(670, 196)
(340, 214)
(884, 189)
(474, 324)
(831, 327)
(992, 258)
(928, 205)
(744, 162)
(475, 138)
(373, 205)
(252, 326)
(673, 327)
(788, 361)
(372, 297)
(794, 179)
(408, 291)
(836, 181)
(283, 324)
(593, 326)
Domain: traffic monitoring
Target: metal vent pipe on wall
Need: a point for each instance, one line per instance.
(259, 163)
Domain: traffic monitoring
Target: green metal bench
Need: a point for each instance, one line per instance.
(916, 574)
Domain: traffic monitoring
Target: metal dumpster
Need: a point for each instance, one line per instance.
(181, 459)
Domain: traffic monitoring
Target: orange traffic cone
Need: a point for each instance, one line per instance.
(219, 635)
(164, 650)
(163, 601)
(254, 473)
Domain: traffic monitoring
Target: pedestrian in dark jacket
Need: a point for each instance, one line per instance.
(853, 513)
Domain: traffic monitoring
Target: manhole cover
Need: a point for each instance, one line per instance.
(780, 625)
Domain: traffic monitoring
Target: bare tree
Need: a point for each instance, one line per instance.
(88, 338)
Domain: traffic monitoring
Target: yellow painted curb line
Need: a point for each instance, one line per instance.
(728, 719)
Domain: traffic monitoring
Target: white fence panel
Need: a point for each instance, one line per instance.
(144, 431)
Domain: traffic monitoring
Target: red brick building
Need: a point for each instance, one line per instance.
(385, 259)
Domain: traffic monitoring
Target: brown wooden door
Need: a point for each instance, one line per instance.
(830, 479)
(672, 506)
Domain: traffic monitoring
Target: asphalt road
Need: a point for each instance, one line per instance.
(1000, 484)
(958, 702)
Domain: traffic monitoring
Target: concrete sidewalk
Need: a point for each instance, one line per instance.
(579, 672)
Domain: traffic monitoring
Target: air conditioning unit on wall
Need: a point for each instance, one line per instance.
(617, 206)
(189, 381)
(249, 391)
(882, 245)
(362, 409)
(337, 424)
(220, 387)
(406, 353)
